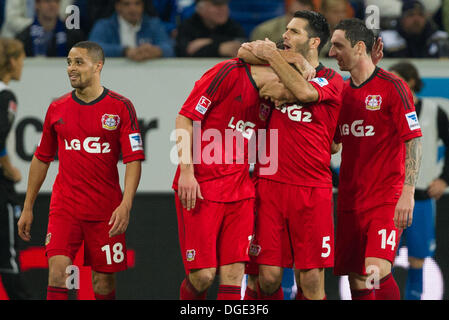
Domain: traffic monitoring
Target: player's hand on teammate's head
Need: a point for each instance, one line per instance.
(24, 225)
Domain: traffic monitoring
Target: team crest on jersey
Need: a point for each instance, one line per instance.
(48, 238)
(264, 112)
(190, 255)
(373, 102)
(254, 250)
(110, 121)
(203, 105)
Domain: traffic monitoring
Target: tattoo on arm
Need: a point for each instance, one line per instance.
(413, 154)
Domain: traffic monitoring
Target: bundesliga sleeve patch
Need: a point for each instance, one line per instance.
(412, 119)
(136, 141)
(320, 81)
(203, 105)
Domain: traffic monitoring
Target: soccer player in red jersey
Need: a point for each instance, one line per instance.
(381, 155)
(294, 220)
(89, 128)
(214, 191)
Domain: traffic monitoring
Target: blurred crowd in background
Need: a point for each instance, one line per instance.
(148, 29)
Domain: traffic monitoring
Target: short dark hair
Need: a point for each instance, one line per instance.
(94, 50)
(317, 25)
(355, 31)
(408, 71)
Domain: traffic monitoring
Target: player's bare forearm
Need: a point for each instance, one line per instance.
(132, 179)
(184, 141)
(292, 79)
(413, 155)
(249, 57)
(36, 176)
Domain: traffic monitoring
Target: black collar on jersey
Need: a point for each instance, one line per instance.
(376, 70)
(78, 100)
(319, 68)
(250, 76)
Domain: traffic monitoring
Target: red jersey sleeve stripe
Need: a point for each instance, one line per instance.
(399, 88)
(331, 74)
(224, 77)
(221, 76)
(131, 110)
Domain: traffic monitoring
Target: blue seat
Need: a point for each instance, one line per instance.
(250, 13)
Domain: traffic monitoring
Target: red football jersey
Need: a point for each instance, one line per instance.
(376, 119)
(227, 112)
(89, 138)
(306, 132)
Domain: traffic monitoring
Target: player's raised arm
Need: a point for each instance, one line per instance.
(188, 187)
(36, 176)
(294, 81)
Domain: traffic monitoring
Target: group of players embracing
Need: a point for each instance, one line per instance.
(231, 223)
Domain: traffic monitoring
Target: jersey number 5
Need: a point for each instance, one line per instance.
(326, 246)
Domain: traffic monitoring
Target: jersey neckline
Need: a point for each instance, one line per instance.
(376, 70)
(81, 102)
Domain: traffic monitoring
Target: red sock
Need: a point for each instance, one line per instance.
(188, 291)
(109, 296)
(226, 292)
(388, 289)
(250, 294)
(365, 294)
(277, 295)
(56, 293)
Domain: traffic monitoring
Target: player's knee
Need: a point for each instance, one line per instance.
(57, 271)
(103, 283)
(377, 268)
(232, 274)
(270, 279)
(202, 279)
(312, 281)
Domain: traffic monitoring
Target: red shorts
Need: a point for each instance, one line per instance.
(294, 225)
(214, 233)
(65, 235)
(369, 233)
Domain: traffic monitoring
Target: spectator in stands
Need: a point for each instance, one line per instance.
(19, 14)
(209, 32)
(416, 36)
(131, 33)
(92, 11)
(273, 29)
(334, 11)
(47, 34)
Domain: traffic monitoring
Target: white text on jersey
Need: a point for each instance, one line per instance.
(357, 129)
(90, 145)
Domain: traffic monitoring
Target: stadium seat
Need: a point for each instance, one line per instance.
(250, 13)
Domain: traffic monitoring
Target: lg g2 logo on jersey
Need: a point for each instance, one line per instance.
(295, 113)
(245, 127)
(357, 129)
(90, 145)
